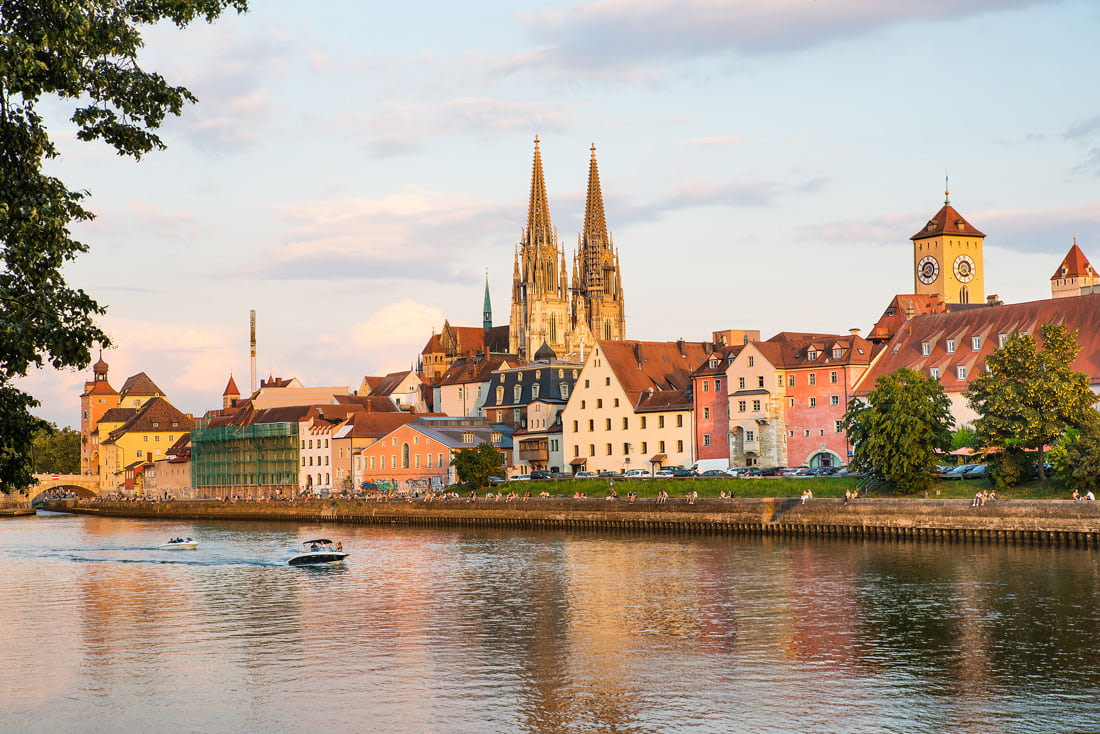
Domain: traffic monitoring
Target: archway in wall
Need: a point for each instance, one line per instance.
(59, 490)
(824, 459)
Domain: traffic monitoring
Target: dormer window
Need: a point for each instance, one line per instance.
(500, 394)
(714, 364)
(838, 353)
(467, 438)
(516, 392)
(950, 346)
(976, 343)
(534, 391)
(811, 355)
(925, 348)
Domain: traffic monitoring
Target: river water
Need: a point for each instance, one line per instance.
(436, 630)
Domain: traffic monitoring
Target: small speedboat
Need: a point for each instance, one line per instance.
(179, 544)
(318, 552)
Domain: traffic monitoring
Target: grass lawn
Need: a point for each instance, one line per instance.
(773, 487)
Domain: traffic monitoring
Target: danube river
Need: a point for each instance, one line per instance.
(435, 630)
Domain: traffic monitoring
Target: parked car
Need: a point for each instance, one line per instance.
(674, 471)
(493, 481)
(714, 473)
(584, 475)
(976, 471)
(609, 475)
(559, 475)
(956, 472)
(520, 478)
(636, 474)
(539, 474)
(663, 474)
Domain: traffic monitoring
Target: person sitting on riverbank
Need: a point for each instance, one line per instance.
(979, 500)
(1089, 496)
(1076, 496)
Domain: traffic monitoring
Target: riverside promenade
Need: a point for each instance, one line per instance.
(1034, 522)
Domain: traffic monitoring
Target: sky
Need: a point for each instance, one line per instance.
(355, 171)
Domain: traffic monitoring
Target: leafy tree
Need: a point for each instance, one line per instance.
(1027, 398)
(475, 466)
(1077, 459)
(964, 438)
(55, 451)
(905, 419)
(84, 52)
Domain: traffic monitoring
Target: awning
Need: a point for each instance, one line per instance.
(658, 458)
(577, 462)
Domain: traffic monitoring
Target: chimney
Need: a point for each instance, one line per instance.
(853, 332)
(680, 346)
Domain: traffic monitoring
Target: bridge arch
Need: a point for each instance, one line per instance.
(82, 485)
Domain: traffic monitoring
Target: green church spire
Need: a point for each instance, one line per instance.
(487, 312)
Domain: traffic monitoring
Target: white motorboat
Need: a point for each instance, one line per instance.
(179, 544)
(318, 552)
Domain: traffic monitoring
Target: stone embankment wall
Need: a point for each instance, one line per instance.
(1048, 522)
(15, 505)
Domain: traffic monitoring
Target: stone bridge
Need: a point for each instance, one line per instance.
(83, 485)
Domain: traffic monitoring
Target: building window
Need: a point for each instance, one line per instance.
(811, 355)
(660, 421)
(645, 447)
(740, 406)
(790, 380)
(813, 402)
(534, 391)
(591, 425)
(950, 346)
(418, 460)
(582, 404)
(591, 449)
(706, 439)
(626, 449)
(760, 381)
(749, 436)
(616, 402)
(680, 446)
(1001, 339)
(756, 405)
(752, 361)
(607, 424)
(661, 446)
(467, 438)
(516, 416)
(626, 424)
(643, 421)
(834, 377)
(679, 421)
(429, 460)
(609, 449)
(717, 384)
(516, 392)
(834, 400)
(706, 414)
(576, 451)
(496, 436)
(925, 349)
(791, 403)
(575, 429)
(806, 433)
(740, 383)
(976, 343)
(934, 373)
(779, 380)
(599, 403)
(838, 353)
(586, 383)
(706, 385)
(607, 381)
(564, 387)
(813, 378)
(839, 426)
(961, 371)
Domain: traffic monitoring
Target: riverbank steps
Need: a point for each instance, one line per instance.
(1031, 522)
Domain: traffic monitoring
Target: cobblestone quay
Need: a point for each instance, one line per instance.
(1045, 522)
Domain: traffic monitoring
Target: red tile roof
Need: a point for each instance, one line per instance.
(901, 308)
(1074, 265)
(140, 384)
(156, 415)
(1078, 313)
(231, 388)
(947, 221)
(644, 367)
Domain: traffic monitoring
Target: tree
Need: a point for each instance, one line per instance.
(475, 466)
(1077, 458)
(1027, 398)
(905, 419)
(55, 451)
(85, 52)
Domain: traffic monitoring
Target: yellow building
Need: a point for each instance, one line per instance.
(947, 258)
(128, 436)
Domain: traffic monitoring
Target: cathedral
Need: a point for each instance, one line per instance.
(546, 309)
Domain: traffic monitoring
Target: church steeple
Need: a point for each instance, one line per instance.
(598, 298)
(487, 309)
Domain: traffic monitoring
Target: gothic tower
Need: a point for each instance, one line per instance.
(598, 309)
(947, 258)
(540, 305)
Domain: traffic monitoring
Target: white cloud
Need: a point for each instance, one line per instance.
(613, 36)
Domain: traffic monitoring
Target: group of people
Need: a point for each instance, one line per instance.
(1088, 496)
(985, 495)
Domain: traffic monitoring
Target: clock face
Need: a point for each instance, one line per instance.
(964, 269)
(928, 269)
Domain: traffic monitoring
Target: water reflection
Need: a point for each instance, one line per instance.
(454, 631)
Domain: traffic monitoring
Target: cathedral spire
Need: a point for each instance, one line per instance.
(539, 230)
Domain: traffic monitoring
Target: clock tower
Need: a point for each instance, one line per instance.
(947, 258)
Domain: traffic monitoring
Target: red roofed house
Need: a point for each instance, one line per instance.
(631, 407)
(953, 347)
(787, 396)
